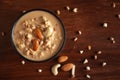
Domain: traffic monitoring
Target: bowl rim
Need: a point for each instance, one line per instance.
(62, 26)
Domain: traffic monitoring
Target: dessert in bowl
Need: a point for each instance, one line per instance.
(38, 35)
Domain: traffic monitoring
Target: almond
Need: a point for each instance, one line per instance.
(62, 59)
(67, 67)
(38, 33)
(35, 43)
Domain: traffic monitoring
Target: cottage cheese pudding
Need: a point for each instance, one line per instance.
(38, 35)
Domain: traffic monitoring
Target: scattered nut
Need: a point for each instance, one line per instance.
(85, 61)
(23, 11)
(105, 25)
(23, 62)
(67, 7)
(58, 12)
(81, 51)
(75, 39)
(89, 47)
(118, 16)
(88, 68)
(67, 67)
(113, 5)
(39, 70)
(62, 59)
(88, 76)
(95, 57)
(113, 42)
(99, 52)
(54, 69)
(112, 38)
(73, 71)
(3, 33)
(75, 10)
(79, 32)
(104, 64)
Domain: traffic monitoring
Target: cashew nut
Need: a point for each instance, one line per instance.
(55, 69)
(48, 32)
(73, 71)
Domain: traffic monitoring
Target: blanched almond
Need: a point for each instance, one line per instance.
(62, 59)
(67, 67)
(35, 43)
(38, 33)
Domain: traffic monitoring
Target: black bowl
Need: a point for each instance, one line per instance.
(62, 27)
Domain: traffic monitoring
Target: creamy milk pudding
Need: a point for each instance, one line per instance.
(38, 35)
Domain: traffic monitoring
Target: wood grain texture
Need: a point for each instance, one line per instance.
(91, 14)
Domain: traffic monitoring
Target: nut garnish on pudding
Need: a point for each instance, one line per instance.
(38, 35)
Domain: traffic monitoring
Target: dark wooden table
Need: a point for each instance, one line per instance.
(91, 14)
